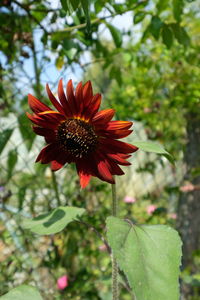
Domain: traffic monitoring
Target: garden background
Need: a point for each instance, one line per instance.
(143, 56)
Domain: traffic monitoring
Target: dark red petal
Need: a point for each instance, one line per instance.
(54, 101)
(43, 131)
(114, 146)
(61, 159)
(87, 93)
(71, 98)
(115, 169)
(49, 135)
(48, 153)
(118, 158)
(103, 116)
(85, 171)
(51, 116)
(93, 107)
(51, 124)
(36, 105)
(63, 100)
(114, 134)
(103, 171)
(118, 125)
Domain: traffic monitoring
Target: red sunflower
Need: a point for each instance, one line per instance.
(78, 133)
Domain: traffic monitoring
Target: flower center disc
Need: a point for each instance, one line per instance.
(77, 137)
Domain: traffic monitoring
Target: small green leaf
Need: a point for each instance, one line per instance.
(22, 292)
(155, 26)
(11, 162)
(75, 4)
(138, 17)
(116, 35)
(85, 6)
(178, 9)
(64, 4)
(180, 34)
(4, 137)
(59, 62)
(54, 221)
(150, 257)
(21, 197)
(167, 36)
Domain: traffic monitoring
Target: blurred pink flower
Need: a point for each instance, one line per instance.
(62, 282)
(151, 208)
(103, 248)
(187, 188)
(173, 216)
(129, 199)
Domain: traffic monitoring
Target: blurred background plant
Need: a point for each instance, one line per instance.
(143, 56)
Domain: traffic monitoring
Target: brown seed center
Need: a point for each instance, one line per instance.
(77, 137)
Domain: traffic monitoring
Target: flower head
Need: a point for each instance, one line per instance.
(78, 133)
(62, 282)
(150, 209)
(129, 199)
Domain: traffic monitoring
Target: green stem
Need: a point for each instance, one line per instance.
(115, 291)
(55, 186)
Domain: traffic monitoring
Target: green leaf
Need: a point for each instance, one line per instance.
(21, 197)
(75, 4)
(85, 6)
(155, 26)
(162, 5)
(150, 257)
(150, 147)
(26, 130)
(59, 62)
(116, 35)
(64, 4)
(180, 34)
(167, 36)
(54, 221)
(22, 292)
(4, 137)
(11, 162)
(138, 17)
(178, 9)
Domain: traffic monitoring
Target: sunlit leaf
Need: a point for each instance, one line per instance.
(59, 62)
(4, 137)
(22, 292)
(54, 221)
(116, 35)
(150, 147)
(149, 255)
(138, 17)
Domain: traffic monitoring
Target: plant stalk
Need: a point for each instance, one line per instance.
(55, 186)
(115, 289)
